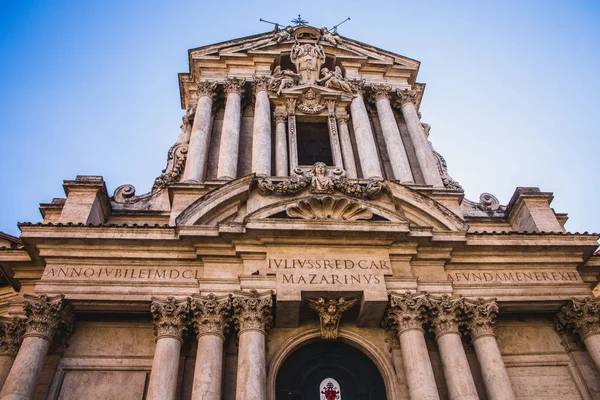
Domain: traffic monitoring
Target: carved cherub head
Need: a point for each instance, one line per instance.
(319, 169)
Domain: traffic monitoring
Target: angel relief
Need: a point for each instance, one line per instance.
(330, 313)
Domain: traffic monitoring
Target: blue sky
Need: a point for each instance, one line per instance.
(90, 88)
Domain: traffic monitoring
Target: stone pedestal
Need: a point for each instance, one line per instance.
(481, 320)
(197, 155)
(252, 318)
(170, 319)
(447, 314)
(261, 138)
(230, 135)
(45, 318)
(346, 144)
(281, 150)
(406, 314)
(425, 156)
(210, 318)
(365, 141)
(391, 134)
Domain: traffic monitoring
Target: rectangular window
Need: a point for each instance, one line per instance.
(313, 143)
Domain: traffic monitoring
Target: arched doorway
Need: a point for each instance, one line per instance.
(302, 373)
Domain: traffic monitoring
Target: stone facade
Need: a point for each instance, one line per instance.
(243, 255)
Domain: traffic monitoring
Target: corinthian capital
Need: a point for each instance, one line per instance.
(260, 84)
(447, 314)
(280, 117)
(580, 316)
(405, 96)
(11, 335)
(252, 311)
(380, 91)
(358, 86)
(207, 89)
(210, 314)
(170, 317)
(481, 317)
(45, 316)
(407, 311)
(342, 117)
(235, 85)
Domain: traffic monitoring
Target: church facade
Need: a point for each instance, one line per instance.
(305, 241)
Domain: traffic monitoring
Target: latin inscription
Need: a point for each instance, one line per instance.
(514, 276)
(338, 271)
(122, 273)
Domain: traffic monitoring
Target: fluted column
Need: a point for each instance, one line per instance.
(252, 318)
(281, 150)
(170, 321)
(447, 315)
(230, 135)
(406, 314)
(481, 321)
(425, 157)
(197, 155)
(346, 144)
(261, 137)
(11, 336)
(45, 317)
(365, 141)
(391, 133)
(210, 318)
(583, 317)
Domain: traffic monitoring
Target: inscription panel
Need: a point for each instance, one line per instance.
(493, 277)
(122, 273)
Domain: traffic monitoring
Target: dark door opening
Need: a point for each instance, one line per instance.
(313, 143)
(301, 375)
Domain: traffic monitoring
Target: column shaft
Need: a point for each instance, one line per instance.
(495, 377)
(417, 366)
(592, 345)
(198, 148)
(347, 151)
(365, 142)
(393, 140)
(334, 139)
(230, 134)
(261, 138)
(281, 150)
(209, 368)
(25, 372)
(251, 372)
(165, 368)
(425, 156)
(6, 362)
(459, 379)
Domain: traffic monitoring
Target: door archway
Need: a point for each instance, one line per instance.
(301, 374)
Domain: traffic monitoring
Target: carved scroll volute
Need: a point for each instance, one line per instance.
(581, 317)
(47, 316)
(210, 314)
(330, 313)
(170, 317)
(11, 335)
(447, 314)
(480, 317)
(407, 311)
(252, 311)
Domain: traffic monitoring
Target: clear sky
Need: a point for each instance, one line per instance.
(89, 87)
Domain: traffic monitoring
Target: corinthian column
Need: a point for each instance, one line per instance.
(391, 133)
(583, 317)
(252, 318)
(406, 314)
(425, 157)
(195, 164)
(346, 144)
(11, 336)
(261, 137)
(230, 135)
(45, 317)
(210, 318)
(170, 321)
(281, 150)
(481, 321)
(447, 315)
(365, 142)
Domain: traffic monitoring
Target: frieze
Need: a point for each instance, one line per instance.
(512, 276)
(135, 274)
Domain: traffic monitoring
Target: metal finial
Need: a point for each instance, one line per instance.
(299, 21)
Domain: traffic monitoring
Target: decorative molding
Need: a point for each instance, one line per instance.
(447, 180)
(170, 317)
(207, 89)
(47, 316)
(330, 314)
(175, 166)
(580, 316)
(11, 335)
(235, 85)
(407, 311)
(447, 314)
(480, 317)
(252, 311)
(210, 314)
(329, 208)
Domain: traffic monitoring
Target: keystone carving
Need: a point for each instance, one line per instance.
(329, 208)
(407, 311)
(11, 335)
(580, 316)
(47, 316)
(170, 317)
(252, 311)
(207, 89)
(481, 317)
(330, 314)
(235, 85)
(311, 102)
(447, 314)
(210, 314)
